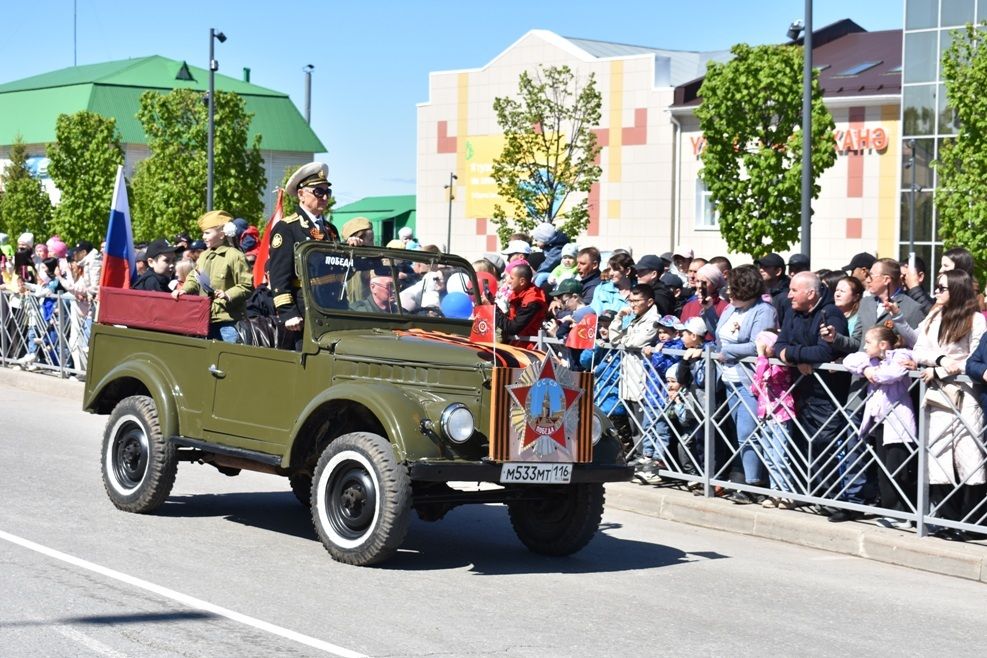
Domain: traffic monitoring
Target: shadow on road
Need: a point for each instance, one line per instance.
(476, 536)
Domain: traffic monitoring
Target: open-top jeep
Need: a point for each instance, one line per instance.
(386, 402)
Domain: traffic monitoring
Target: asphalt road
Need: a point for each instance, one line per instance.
(231, 566)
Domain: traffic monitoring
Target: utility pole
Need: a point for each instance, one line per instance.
(452, 177)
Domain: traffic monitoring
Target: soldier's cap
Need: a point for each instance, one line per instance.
(158, 248)
(312, 174)
(354, 226)
(214, 219)
(567, 287)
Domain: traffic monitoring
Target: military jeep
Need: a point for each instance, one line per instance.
(386, 402)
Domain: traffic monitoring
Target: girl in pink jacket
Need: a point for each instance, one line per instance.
(772, 388)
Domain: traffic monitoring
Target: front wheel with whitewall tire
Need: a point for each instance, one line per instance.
(138, 463)
(361, 499)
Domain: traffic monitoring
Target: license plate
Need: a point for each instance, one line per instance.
(536, 473)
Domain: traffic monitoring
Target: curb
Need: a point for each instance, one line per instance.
(803, 529)
(40, 381)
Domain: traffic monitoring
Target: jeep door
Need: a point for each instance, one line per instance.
(253, 396)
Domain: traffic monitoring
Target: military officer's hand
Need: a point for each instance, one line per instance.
(293, 324)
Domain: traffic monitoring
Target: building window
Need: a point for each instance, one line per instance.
(706, 215)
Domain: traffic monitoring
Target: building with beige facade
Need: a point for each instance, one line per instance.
(649, 197)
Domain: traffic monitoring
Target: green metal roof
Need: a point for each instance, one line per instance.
(379, 209)
(30, 106)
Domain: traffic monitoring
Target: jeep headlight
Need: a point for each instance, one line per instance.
(457, 422)
(597, 431)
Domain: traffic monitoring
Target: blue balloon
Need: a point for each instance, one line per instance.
(457, 305)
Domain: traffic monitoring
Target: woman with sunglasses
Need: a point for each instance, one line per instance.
(944, 342)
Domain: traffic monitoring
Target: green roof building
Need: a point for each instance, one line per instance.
(29, 108)
(387, 214)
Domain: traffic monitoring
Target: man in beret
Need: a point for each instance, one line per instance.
(222, 275)
(310, 184)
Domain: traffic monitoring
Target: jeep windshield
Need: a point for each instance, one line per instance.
(388, 282)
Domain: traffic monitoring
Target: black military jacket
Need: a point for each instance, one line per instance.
(281, 260)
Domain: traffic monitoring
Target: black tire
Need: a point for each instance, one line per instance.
(301, 486)
(361, 499)
(560, 523)
(138, 464)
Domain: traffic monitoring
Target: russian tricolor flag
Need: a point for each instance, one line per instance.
(119, 259)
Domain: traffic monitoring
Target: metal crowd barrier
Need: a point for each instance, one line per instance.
(44, 332)
(818, 462)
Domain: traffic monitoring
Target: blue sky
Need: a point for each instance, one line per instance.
(372, 58)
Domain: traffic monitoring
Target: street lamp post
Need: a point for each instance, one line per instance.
(793, 33)
(308, 92)
(213, 67)
(452, 177)
(913, 189)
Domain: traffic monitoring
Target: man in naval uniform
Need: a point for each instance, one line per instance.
(310, 184)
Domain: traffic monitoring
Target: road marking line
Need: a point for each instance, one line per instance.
(90, 643)
(184, 599)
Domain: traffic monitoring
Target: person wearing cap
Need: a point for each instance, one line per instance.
(859, 266)
(525, 310)
(681, 258)
(772, 268)
(551, 241)
(310, 185)
(222, 276)
(568, 297)
(650, 269)
(160, 259)
(566, 269)
(798, 263)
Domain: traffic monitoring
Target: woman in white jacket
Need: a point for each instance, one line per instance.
(944, 341)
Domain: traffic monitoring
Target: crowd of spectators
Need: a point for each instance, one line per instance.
(847, 434)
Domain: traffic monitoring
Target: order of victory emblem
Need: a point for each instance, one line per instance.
(545, 415)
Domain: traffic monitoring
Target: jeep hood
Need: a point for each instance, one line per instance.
(428, 348)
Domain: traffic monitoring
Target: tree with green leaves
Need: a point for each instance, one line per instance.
(961, 194)
(83, 165)
(25, 205)
(751, 115)
(549, 152)
(170, 186)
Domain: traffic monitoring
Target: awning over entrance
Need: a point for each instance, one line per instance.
(388, 214)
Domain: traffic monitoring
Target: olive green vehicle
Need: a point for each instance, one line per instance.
(386, 402)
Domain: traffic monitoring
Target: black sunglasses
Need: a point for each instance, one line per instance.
(320, 192)
(939, 289)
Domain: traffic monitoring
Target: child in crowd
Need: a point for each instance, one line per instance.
(567, 268)
(771, 385)
(888, 404)
(160, 258)
(690, 399)
(683, 416)
(222, 276)
(604, 361)
(658, 437)
(182, 269)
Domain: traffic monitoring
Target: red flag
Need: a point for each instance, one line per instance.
(582, 335)
(263, 247)
(483, 324)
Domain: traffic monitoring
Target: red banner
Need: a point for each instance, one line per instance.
(484, 330)
(582, 335)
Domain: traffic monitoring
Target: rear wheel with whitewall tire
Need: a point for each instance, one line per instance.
(561, 522)
(138, 463)
(361, 499)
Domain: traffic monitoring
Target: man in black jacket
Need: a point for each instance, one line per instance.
(649, 270)
(772, 269)
(160, 258)
(819, 394)
(588, 271)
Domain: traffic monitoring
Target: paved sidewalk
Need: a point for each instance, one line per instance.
(859, 538)
(862, 539)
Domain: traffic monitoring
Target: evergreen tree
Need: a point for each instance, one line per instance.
(25, 205)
